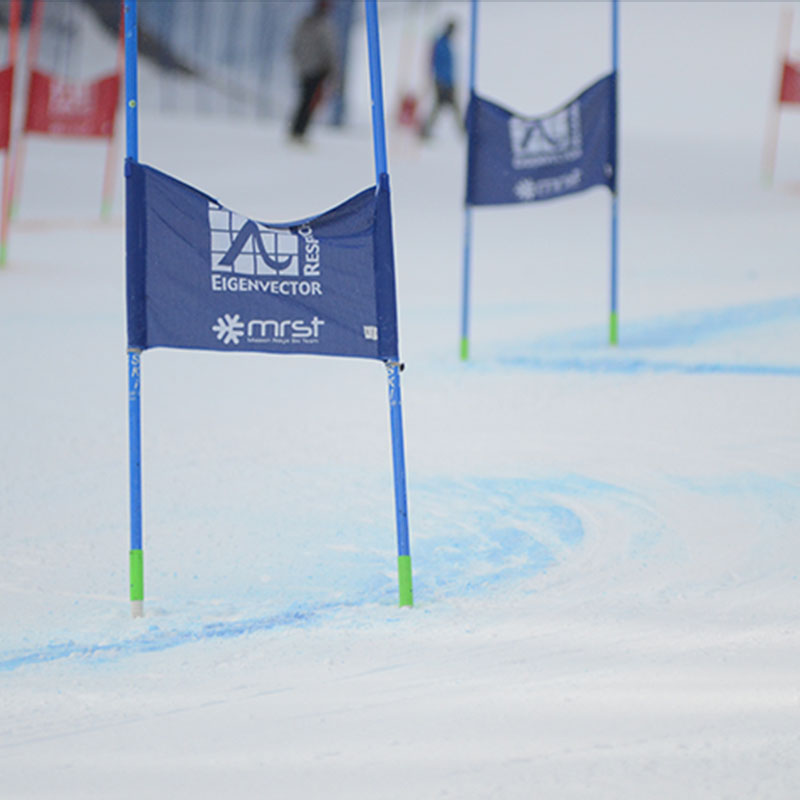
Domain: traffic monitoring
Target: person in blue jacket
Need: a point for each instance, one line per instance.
(443, 69)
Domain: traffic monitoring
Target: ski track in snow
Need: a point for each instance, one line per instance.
(502, 530)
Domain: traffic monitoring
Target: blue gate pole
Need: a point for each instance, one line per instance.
(405, 585)
(614, 321)
(465, 281)
(134, 354)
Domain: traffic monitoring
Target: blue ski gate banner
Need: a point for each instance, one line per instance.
(202, 276)
(515, 159)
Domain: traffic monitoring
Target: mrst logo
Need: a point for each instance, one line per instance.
(554, 139)
(231, 328)
(248, 256)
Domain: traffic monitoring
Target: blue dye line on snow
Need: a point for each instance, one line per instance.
(632, 366)
(577, 350)
(684, 329)
(495, 530)
(481, 533)
(156, 640)
(692, 327)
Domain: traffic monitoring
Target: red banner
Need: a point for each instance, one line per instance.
(790, 84)
(6, 82)
(60, 108)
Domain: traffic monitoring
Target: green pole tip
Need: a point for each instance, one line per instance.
(105, 211)
(613, 337)
(404, 581)
(137, 576)
(464, 349)
(3, 255)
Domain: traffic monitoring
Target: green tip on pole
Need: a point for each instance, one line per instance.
(105, 210)
(3, 254)
(614, 329)
(404, 580)
(137, 582)
(464, 349)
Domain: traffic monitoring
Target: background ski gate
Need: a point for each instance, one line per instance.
(7, 77)
(383, 257)
(60, 107)
(530, 194)
(787, 91)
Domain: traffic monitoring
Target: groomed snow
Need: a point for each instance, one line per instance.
(605, 541)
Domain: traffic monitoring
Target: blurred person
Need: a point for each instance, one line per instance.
(314, 55)
(443, 73)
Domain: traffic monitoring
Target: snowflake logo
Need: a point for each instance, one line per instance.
(229, 329)
(525, 189)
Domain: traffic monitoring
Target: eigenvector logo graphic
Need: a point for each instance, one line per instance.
(231, 329)
(555, 139)
(248, 256)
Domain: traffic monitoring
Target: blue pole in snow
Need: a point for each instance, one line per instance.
(473, 44)
(131, 81)
(465, 282)
(134, 355)
(392, 368)
(376, 89)
(614, 320)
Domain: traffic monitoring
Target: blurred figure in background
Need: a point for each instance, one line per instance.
(314, 56)
(443, 72)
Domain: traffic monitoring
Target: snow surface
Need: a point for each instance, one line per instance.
(605, 541)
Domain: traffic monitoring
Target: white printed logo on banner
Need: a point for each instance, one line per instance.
(555, 139)
(529, 189)
(231, 329)
(245, 247)
(248, 256)
(70, 99)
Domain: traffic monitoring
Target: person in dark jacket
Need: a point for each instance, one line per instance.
(314, 55)
(443, 70)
